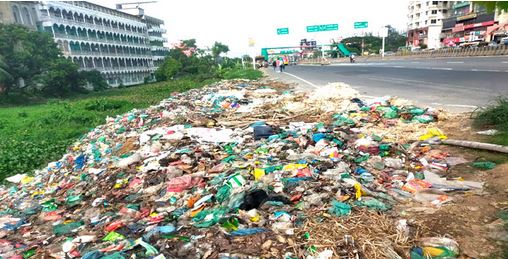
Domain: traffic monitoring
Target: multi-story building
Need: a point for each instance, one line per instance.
(156, 38)
(470, 22)
(125, 48)
(425, 20)
(19, 12)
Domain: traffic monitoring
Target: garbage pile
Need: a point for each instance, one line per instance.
(232, 170)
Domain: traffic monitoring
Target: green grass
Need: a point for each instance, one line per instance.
(33, 135)
(494, 116)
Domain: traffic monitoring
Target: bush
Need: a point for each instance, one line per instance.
(94, 78)
(168, 69)
(496, 116)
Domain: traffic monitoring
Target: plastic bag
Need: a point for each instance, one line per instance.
(373, 204)
(339, 208)
(64, 229)
(433, 132)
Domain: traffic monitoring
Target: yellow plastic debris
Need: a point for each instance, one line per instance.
(290, 167)
(258, 173)
(27, 179)
(433, 132)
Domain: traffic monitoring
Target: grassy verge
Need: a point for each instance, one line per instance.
(494, 116)
(31, 136)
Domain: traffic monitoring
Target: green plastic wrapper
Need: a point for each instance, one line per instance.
(485, 165)
(373, 204)
(116, 255)
(223, 193)
(339, 209)
(64, 229)
(113, 237)
(202, 220)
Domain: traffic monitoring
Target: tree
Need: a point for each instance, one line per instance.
(95, 79)
(246, 58)
(26, 53)
(168, 69)
(5, 77)
(61, 78)
(492, 6)
(219, 48)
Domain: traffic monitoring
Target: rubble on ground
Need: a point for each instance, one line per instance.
(240, 169)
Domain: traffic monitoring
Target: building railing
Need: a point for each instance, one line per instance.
(100, 40)
(85, 24)
(106, 54)
(116, 69)
(464, 52)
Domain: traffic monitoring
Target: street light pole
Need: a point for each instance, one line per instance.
(383, 47)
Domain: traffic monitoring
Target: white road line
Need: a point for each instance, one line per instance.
(441, 68)
(303, 80)
(398, 66)
(488, 70)
(456, 105)
(504, 62)
(474, 69)
(415, 62)
(455, 62)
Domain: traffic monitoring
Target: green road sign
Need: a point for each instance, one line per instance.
(361, 25)
(324, 27)
(282, 31)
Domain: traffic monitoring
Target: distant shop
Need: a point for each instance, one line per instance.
(466, 28)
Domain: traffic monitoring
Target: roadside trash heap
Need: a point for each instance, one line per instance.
(232, 170)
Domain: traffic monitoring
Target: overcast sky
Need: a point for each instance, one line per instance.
(232, 22)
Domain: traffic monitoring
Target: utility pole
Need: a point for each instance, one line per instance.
(383, 33)
(383, 48)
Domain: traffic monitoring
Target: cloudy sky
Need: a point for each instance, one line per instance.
(232, 22)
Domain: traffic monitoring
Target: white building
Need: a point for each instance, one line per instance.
(425, 20)
(117, 44)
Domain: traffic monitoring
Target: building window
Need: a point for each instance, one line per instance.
(434, 2)
(444, 11)
(433, 21)
(26, 16)
(434, 11)
(15, 13)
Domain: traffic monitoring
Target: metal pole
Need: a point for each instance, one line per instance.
(383, 48)
(361, 54)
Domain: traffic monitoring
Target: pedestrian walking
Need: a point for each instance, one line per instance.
(274, 64)
(281, 65)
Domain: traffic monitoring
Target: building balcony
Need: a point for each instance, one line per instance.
(131, 69)
(159, 57)
(157, 29)
(48, 21)
(105, 54)
(98, 40)
(159, 48)
(155, 38)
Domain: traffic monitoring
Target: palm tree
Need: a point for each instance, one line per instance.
(5, 77)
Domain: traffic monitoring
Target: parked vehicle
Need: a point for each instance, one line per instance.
(504, 41)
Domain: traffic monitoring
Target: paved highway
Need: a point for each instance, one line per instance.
(458, 84)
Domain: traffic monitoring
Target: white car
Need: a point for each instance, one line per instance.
(504, 41)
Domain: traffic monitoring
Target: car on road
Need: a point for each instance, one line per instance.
(504, 41)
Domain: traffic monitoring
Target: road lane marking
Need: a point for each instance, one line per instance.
(455, 62)
(485, 70)
(504, 62)
(303, 80)
(398, 66)
(415, 62)
(441, 68)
